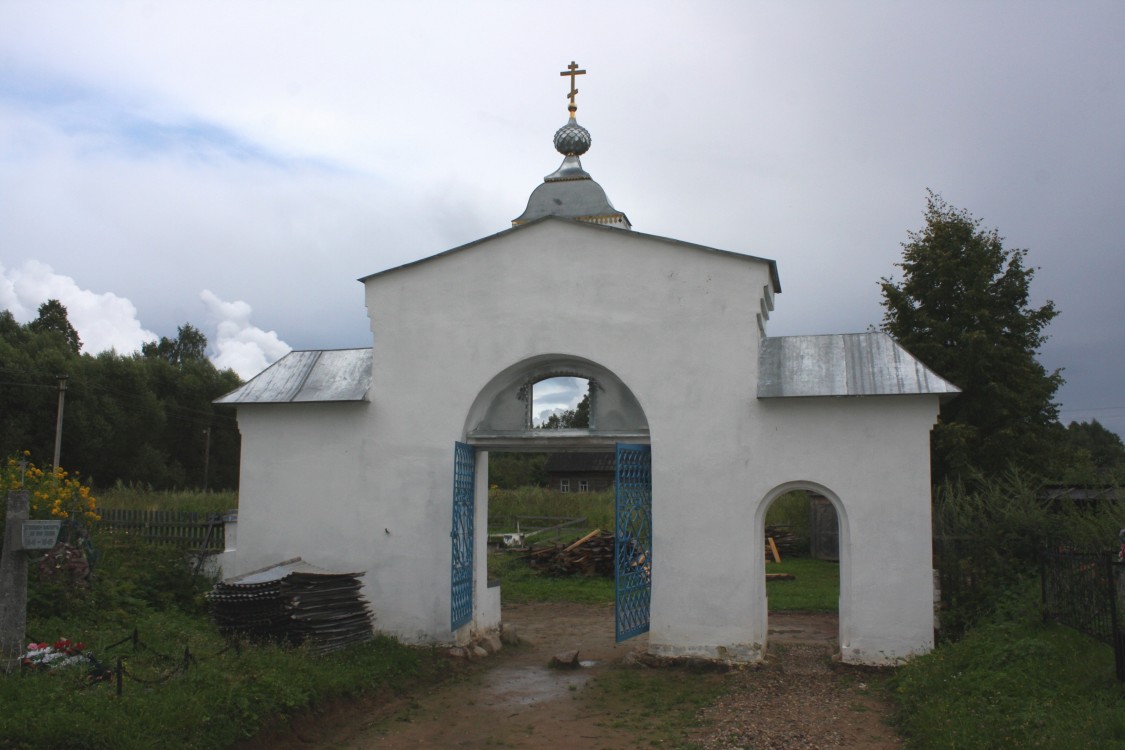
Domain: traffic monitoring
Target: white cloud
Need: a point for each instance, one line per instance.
(106, 321)
(238, 345)
(555, 396)
(103, 321)
(332, 143)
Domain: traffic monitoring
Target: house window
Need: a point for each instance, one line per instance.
(564, 485)
(583, 485)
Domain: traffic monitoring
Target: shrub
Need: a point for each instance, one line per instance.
(988, 540)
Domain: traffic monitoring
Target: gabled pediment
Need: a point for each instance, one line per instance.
(555, 223)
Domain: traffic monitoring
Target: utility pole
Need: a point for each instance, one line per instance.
(58, 422)
(206, 455)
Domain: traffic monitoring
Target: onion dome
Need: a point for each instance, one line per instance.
(572, 139)
(569, 191)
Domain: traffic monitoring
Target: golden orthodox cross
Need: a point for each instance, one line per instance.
(572, 71)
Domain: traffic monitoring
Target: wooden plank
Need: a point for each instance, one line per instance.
(583, 540)
(773, 549)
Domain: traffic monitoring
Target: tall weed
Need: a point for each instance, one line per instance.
(505, 506)
(141, 497)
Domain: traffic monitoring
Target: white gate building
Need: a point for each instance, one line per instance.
(352, 459)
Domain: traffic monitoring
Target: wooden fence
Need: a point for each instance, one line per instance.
(195, 531)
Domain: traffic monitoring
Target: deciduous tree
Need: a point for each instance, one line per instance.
(53, 317)
(1101, 448)
(962, 307)
(190, 345)
(131, 418)
(571, 418)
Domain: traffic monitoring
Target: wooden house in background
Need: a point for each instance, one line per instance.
(580, 472)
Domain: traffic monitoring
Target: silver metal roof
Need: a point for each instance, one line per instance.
(317, 375)
(571, 198)
(846, 364)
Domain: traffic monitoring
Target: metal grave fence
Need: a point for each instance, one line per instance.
(1085, 591)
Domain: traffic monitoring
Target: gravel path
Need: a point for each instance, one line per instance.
(798, 699)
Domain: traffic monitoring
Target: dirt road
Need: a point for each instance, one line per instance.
(512, 699)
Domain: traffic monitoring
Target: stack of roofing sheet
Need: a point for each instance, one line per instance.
(296, 602)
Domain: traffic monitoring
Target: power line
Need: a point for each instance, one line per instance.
(1094, 408)
(27, 385)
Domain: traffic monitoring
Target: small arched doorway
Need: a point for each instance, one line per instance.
(503, 418)
(818, 544)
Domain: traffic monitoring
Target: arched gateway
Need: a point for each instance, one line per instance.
(348, 457)
(501, 419)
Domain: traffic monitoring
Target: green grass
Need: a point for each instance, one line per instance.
(1013, 682)
(816, 588)
(657, 706)
(220, 700)
(520, 583)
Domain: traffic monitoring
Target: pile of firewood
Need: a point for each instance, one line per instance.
(788, 543)
(592, 555)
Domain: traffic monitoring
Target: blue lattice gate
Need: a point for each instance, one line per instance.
(633, 542)
(461, 577)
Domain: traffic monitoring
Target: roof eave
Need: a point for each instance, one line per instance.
(775, 280)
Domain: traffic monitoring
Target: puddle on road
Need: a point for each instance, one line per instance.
(526, 686)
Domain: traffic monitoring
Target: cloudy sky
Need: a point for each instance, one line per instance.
(238, 165)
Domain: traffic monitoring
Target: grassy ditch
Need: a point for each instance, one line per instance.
(1013, 682)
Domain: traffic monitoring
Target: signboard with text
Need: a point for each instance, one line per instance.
(40, 534)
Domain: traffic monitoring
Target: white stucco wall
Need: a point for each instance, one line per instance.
(300, 492)
(871, 457)
(367, 486)
(675, 324)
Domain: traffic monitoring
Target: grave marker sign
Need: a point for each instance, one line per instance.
(40, 534)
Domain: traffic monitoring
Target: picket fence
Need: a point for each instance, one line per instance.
(203, 532)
